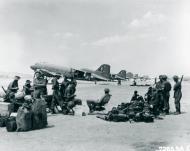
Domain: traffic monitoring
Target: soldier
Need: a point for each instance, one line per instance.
(119, 82)
(135, 96)
(166, 94)
(134, 82)
(55, 98)
(10, 95)
(70, 92)
(177, 94)
(154, 102)
(63, 87)
(159, 89)
(11, 90)
(148, 95)
(13, 86)
(27, 88)
(73, 81)
(40, 85)
(69, 98)
(92, 104)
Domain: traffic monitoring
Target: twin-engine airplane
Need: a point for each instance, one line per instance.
(101, 74)
(122, 75)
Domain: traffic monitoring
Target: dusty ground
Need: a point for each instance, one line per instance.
(88, 133)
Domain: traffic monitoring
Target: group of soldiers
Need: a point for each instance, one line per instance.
(63, 93)
(145, 109)
(159, 95)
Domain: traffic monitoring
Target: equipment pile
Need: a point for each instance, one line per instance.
(138, 111)
(31, 115)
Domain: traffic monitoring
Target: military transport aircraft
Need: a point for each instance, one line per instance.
(101, 74)
(122, 75)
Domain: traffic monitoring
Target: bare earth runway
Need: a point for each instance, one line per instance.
(88, 133)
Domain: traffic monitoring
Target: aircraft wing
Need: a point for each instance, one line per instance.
(99, 77)
(119, 77)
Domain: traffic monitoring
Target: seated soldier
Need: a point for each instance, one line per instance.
(99, 104)
(135, 96)
(13, 86)
(10, 94)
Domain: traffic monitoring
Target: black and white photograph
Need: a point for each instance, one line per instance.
(94, 75)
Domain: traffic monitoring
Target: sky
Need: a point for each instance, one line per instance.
(141, 36)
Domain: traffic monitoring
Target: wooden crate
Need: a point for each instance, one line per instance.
(4, 108)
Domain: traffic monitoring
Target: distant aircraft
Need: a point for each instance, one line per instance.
(101, 74)
(122, 75)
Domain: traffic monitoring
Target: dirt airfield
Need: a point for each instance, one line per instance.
(88, 133)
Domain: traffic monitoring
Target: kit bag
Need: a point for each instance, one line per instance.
(24, 119)
(39, 119)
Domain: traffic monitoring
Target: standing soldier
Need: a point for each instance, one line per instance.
(159, 90)
(73, 81)
(55, 97)
(148, 95)
(40, 84)
(166, 94)
(177, 93)
(119, 82)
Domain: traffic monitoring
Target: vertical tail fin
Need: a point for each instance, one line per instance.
(122, 74)
(105, 70)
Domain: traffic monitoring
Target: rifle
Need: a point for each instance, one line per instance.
(155, 80)
(4, 90)
(181, 79)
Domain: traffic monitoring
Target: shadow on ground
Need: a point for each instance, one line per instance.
(151, 146)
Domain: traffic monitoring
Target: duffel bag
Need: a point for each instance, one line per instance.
(39, 114)
(24, 119)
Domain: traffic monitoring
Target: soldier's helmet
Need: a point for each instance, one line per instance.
(149, 88)
(107, 90)
(17, 77)
(164, 77)
(28, 81)
(175, 77)
(160, 76)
